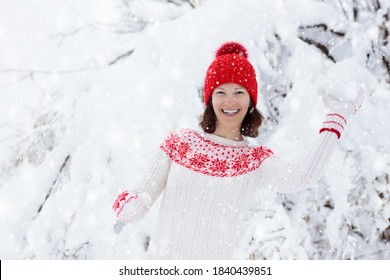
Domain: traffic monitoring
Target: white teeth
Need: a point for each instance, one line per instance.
(230, 111)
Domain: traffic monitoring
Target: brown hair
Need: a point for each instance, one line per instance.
(249, 126)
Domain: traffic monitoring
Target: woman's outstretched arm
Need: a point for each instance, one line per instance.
(132, 205)
(282, 176)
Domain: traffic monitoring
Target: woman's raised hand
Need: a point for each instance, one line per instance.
(348, 107)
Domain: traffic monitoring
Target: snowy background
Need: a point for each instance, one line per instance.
(89, 88)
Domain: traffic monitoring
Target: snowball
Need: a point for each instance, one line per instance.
(344, 79)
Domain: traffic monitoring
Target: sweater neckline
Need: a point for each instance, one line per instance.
(222, 140)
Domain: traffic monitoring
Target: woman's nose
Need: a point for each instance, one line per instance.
(230, 99)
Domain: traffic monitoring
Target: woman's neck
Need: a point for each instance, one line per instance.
(232, 134)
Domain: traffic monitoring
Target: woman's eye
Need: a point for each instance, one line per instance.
(239, 92)
(220, 92)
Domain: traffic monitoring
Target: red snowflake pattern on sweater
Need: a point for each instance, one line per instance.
(193, 151)
(182, 149)
(219, 165)
(199, 160)
(241, 162)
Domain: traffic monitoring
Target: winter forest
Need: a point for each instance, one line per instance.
(90, 88)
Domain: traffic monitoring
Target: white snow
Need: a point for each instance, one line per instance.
(88, 90)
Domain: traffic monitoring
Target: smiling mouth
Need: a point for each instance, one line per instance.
(230, 112)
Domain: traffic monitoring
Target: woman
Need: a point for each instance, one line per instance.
(210, 177)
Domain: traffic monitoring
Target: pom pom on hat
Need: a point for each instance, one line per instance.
(232, 48)
(230, 66)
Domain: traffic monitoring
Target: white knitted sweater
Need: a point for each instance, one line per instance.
(208, 183)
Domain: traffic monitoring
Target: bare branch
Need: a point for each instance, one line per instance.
(319, 46)
(56, 181)
(120, 57)
(324, 27)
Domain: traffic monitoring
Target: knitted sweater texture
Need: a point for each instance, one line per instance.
(207, 183)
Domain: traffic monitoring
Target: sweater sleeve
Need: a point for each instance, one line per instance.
(282, 176)
(132, 205)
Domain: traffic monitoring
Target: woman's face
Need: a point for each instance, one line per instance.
(230, 103)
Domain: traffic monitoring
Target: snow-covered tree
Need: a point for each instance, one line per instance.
(89, 89)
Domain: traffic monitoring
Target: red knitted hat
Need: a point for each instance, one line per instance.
(230, 66)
